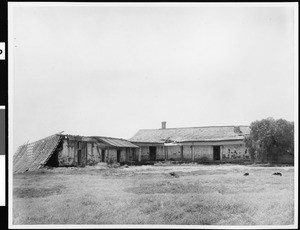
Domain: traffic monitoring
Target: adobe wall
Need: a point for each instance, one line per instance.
(187, 153)
(91, 155)
(173, 153)
(204, 152)
(145, 155)
(235, 152)
(67, 155)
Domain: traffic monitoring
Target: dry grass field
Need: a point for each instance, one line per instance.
(174, 195)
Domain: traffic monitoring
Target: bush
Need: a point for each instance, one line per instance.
(270, 138)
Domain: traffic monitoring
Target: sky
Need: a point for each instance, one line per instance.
(112, 70)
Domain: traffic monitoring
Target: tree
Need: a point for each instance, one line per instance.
(269, 138)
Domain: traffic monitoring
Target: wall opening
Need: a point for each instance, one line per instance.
(79, 157)
(152, 153)
(53, 160)
(216, 152)
(102, 155)
(134, 155)
(118, 155)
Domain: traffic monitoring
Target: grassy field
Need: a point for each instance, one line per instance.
(194, 195)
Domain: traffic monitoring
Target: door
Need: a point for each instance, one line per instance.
(79, 156)
(118, 155)
(134, 155)
(102, 155)
(152, 153)
(216, 152)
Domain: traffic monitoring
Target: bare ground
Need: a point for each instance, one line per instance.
(187, 194)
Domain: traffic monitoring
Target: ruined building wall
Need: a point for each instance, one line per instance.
(67, 155)
(174, 153)
(145, 155)
(235, 152)
(187, 153)
(203, 152)
(93, 154)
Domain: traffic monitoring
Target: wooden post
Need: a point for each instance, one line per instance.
(75, 155)
(130, 154)
(92, 151)
(107, 155)
(68, 147)
(181, 152)
(140, 154)
(167, 152)
(86, 153)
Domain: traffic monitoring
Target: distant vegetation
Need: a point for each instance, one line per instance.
(269, 139)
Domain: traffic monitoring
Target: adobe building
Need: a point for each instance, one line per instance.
(191, 144)
(212, 143)
(61, 150)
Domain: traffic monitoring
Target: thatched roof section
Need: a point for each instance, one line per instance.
(32, 156)
(210, 133)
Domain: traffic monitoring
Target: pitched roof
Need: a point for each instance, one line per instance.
(32, 156)
(116, 142)
(109, 141)
(209, 133)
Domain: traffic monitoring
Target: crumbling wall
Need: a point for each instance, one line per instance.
(124, 154)
(160, 155)
(93, 155)
(174, 152)
(66, 156)
(111, 156)
(203, 152)
(129, 154)
(235, 152)
(145, 155)
(187, 153)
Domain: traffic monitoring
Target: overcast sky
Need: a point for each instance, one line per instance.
(110, 71)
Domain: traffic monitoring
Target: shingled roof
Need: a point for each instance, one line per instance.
(209, 133)
(32, 156)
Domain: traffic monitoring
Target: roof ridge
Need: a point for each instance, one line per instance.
(209, 126)
(92, 136)
(108, 137)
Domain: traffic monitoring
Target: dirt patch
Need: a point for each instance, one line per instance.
(32, 192)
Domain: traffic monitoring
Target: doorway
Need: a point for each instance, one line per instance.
(79, 157)
(102, 155)
(118, 155)
(216, 152)
(152, 153)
